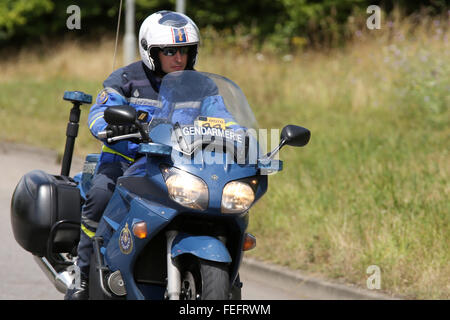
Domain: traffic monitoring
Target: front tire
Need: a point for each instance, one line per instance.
(204, 280)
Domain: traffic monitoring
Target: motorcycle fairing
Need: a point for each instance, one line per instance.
(139, 210)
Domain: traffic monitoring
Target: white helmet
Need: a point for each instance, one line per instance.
(167, 29)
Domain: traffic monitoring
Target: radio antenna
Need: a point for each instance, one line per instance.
(117, 35)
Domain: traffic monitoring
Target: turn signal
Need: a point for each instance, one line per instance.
(140, 230)
(249, 242)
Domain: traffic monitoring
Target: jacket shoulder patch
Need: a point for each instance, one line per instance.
(102, 97)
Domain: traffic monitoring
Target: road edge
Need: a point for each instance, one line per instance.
(319, 289)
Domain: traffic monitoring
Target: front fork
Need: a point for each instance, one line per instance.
(173, 274)
(203, 247)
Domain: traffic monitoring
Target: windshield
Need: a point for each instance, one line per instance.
(199, 107)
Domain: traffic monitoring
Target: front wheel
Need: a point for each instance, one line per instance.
(204, 280)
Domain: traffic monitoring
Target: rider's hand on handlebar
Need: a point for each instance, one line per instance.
(121, 130)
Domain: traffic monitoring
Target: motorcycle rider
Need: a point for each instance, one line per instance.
(168, 42)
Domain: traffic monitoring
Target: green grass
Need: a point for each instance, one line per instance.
(371, 188)
(33, 112)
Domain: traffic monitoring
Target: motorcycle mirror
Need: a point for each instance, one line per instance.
(120, 115)
(295, 136)
(291, 135)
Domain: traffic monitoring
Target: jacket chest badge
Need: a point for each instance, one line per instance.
(136, 93)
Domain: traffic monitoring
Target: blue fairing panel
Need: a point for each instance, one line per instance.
(204, 247)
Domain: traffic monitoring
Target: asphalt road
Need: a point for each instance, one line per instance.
(21, 278)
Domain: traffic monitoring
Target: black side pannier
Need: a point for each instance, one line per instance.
(39, 202)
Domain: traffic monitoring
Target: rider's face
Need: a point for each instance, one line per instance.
(176, 62)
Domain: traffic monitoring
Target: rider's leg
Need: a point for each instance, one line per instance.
(103, 185)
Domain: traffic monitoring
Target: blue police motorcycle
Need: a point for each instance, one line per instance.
(175, 227)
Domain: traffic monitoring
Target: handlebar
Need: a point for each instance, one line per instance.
(107, 134)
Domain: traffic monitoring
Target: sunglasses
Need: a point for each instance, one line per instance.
(171, 51)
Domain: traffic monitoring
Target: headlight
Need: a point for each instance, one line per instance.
(185, 188)
(237, 197)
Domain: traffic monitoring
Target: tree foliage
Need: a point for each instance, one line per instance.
(279, 21)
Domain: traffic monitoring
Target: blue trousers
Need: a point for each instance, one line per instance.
(97, 198)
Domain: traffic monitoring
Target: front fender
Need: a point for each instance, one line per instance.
(204, 247)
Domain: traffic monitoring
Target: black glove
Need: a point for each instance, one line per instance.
(121, 130)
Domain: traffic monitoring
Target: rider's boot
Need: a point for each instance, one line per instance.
(80, 293)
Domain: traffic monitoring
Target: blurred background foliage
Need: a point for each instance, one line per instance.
(272, 24)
